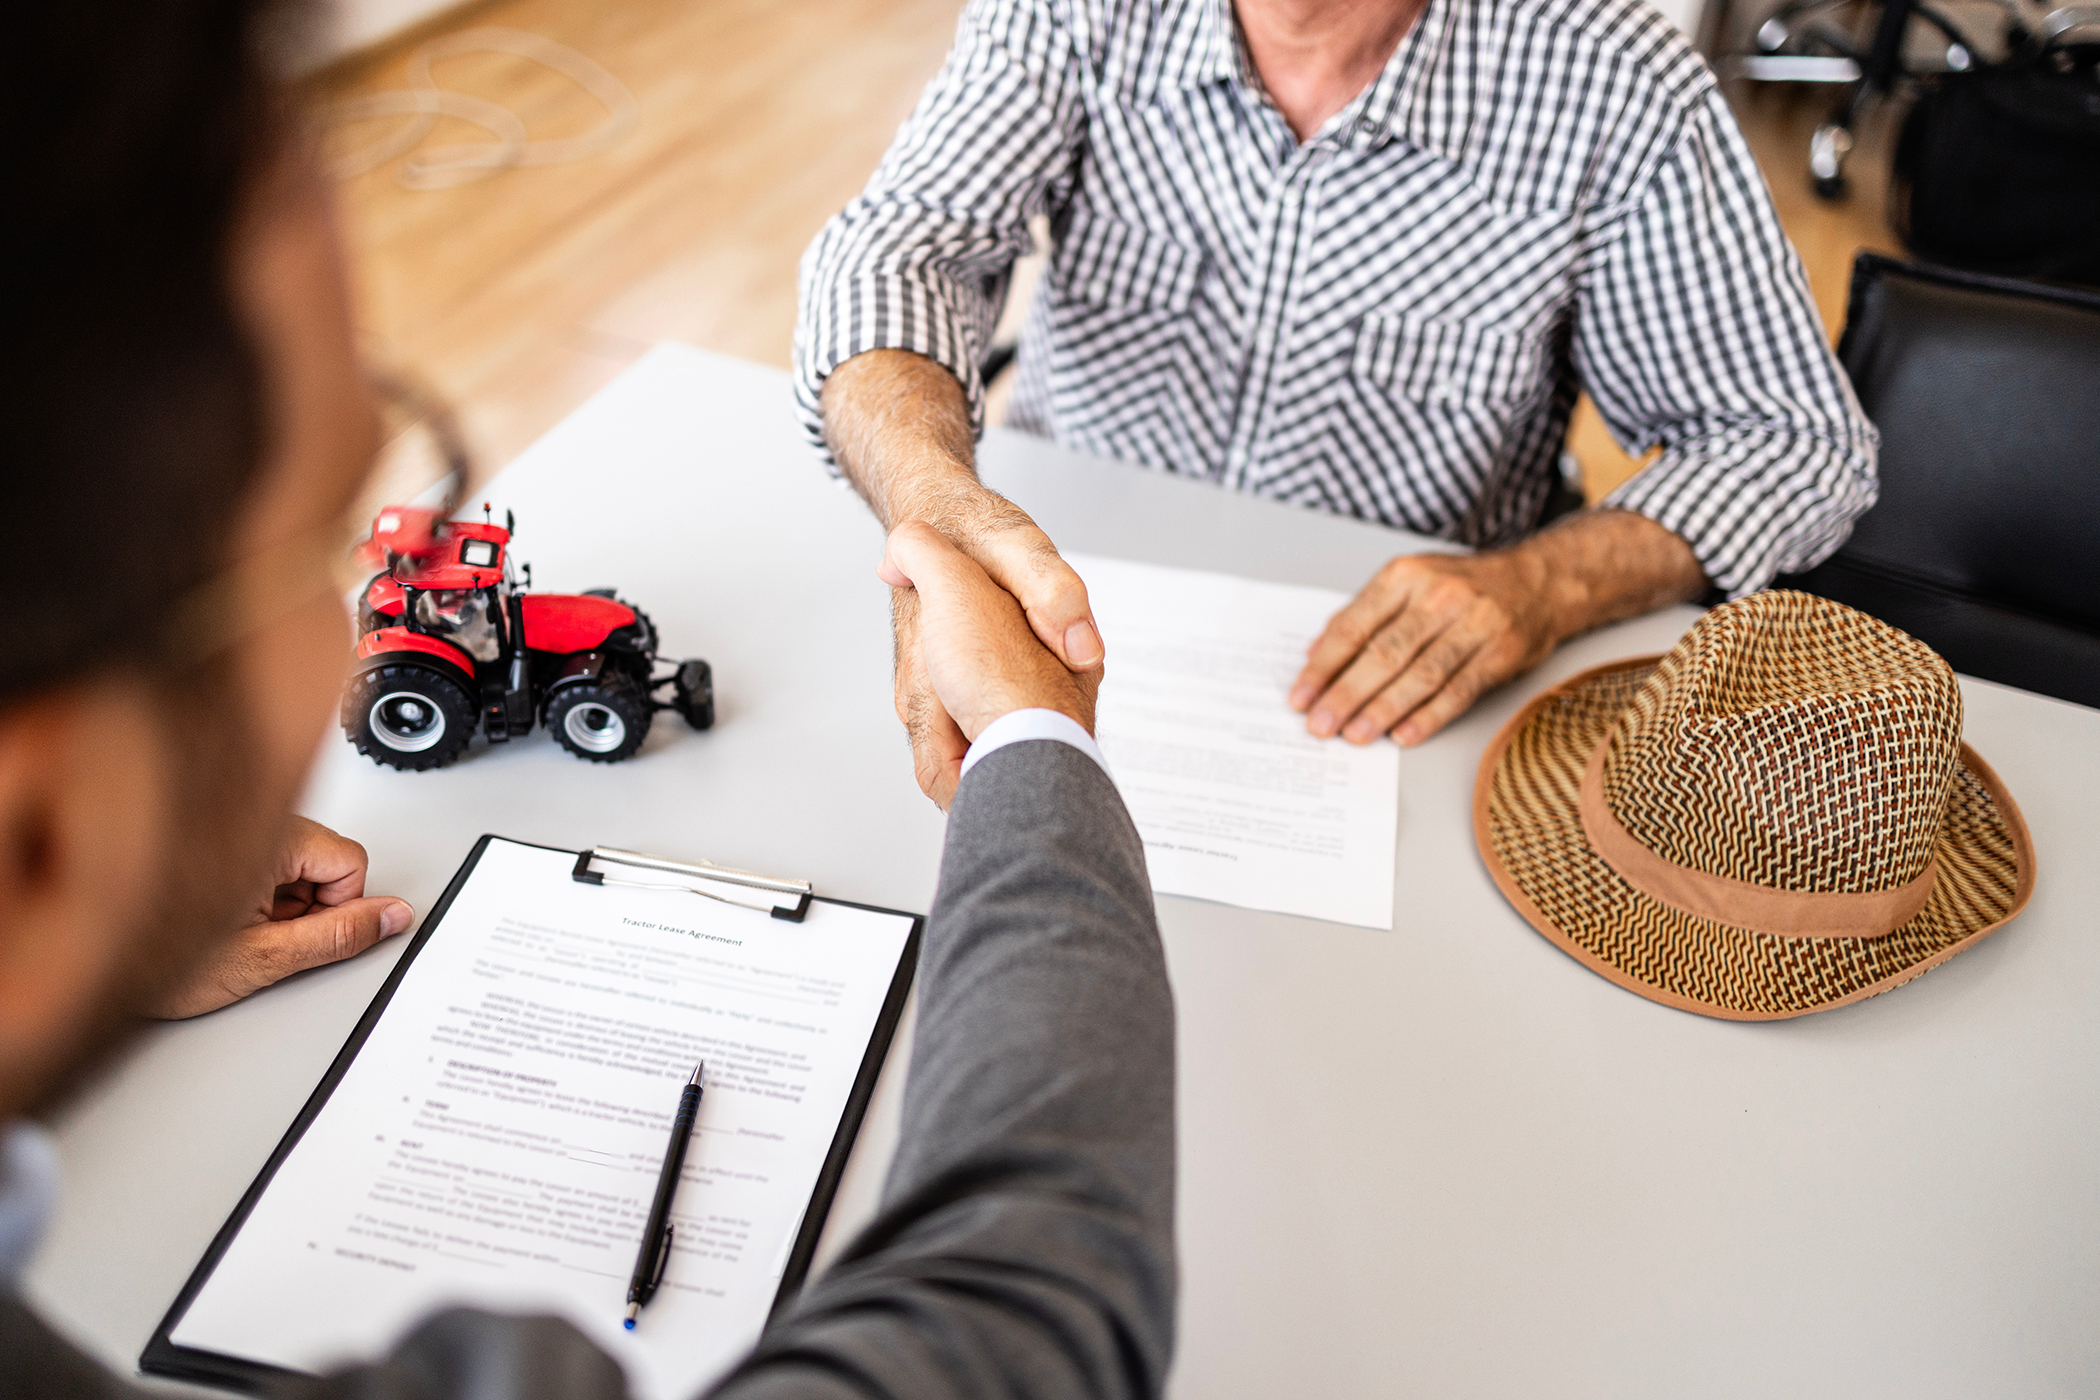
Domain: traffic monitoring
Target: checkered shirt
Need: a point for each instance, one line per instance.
(1390, 321)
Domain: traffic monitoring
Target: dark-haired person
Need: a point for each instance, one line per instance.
(188, 400)
(1360, 256)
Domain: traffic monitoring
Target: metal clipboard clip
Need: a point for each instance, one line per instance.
(798, 892)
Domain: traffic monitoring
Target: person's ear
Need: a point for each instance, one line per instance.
(83, 818)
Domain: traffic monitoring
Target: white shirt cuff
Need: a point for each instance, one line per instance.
(1018, 726)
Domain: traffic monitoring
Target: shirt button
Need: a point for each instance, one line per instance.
(1366, 125)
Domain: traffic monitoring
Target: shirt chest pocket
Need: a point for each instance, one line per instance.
(1109, 264)
(1450, 364)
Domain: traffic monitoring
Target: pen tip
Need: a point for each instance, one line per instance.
(628, 1323)
(697, 1071)
(634, 1310)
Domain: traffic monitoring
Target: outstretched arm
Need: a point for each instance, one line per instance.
(899, 296)
(1025, 1244)
(899, 428)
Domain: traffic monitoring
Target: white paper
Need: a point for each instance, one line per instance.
(497, 1140)
(1235, 801)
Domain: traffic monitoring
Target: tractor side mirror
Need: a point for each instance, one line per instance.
(510, 522)
(526, 569)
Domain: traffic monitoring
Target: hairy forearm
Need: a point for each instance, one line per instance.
(1599, 566)
(897, 423)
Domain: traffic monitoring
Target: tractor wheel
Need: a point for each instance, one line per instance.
(604, 720)
(408, 717)
(695, 689)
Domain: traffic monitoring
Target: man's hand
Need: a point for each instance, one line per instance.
(1432, 633)
(973, 653)
(898, 424)
(937, 742)
(315, 913)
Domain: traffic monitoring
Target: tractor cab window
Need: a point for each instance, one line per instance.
(478, 554)
(465, 617)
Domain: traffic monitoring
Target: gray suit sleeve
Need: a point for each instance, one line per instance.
(1025, 1243)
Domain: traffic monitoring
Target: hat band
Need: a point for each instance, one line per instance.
(1739, 903)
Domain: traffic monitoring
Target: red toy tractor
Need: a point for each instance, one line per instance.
(449, 642)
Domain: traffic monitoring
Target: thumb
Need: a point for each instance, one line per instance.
(274, 949)
(329, 934)
(1052, 595)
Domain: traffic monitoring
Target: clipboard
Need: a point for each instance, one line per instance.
(162, 1356)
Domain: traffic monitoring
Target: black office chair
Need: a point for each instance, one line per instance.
(1985, 543)
(1865, 47)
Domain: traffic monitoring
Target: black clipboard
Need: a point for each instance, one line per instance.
(162, 1357)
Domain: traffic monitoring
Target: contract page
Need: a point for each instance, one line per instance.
(497, 1140)
(1234, 800)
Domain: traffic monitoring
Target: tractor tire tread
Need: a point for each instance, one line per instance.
(616, 691)
(357, 698)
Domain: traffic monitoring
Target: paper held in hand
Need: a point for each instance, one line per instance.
(1235, 801)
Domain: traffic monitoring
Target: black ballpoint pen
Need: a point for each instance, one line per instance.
(656, 1235)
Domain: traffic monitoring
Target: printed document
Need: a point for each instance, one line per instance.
(497, 1139)
(1235, 801)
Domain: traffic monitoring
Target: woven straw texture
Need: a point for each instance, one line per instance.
(1526, 821)
(1791, 743)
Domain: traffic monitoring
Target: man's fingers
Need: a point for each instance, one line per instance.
(907, 666)
(937, 748)
(937, 742)
(1478, 676)
(939, 782)
(915, 553)
(1388, 654)
(332, 864)
(1349, 631)
(1432, 671)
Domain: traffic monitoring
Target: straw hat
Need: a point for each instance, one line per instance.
(1778, 817)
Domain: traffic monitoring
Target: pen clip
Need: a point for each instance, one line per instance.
(663, 1258)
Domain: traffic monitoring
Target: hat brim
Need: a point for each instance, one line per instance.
(1530, 835)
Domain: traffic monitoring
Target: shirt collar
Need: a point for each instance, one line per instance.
(28, 1195)
(1424, 96)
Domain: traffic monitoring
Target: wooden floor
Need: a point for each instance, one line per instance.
(519, 295)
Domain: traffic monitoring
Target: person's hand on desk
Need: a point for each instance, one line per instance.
(316, 912)
(974, 648)
(1432, 633)
(898, 424)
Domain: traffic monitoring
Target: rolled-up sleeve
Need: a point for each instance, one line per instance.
(1695, 332)
(921, 260)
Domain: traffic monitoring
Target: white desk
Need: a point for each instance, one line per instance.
(1439, 1161)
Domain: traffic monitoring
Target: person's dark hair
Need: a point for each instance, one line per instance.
(133, 401)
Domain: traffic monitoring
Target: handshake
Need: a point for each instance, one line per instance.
(968, 654)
